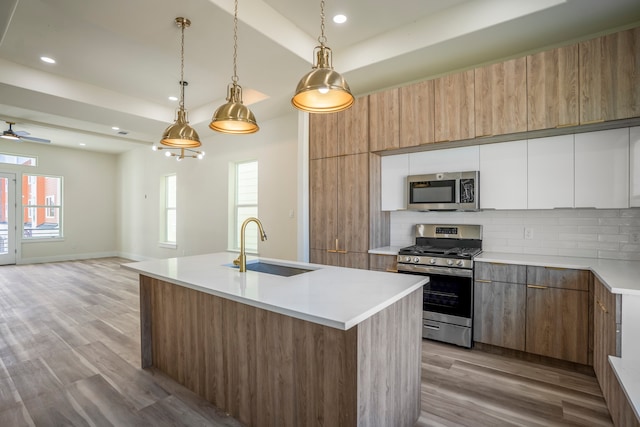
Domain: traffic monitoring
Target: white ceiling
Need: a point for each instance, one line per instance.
(119, 60)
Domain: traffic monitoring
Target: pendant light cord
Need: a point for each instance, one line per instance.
(182, 83)
(322, 39)
(234, 79)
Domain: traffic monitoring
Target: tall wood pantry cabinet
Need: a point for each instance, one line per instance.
(339, 187)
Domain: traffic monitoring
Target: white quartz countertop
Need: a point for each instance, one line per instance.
(331, 296)
(620, 277)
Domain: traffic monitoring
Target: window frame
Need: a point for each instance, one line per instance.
(166, 209)
(30, 209)
(235, 220)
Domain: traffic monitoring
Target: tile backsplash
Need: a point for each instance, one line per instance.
(594, 233)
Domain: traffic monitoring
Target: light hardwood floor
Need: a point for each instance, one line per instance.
(69, 355)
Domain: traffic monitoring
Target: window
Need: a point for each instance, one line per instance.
(50, 201)
(16, 159)
(41, 206)
(246, 204)
(170, 213)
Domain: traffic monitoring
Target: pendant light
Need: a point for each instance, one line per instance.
(180, 153)
(322, 90)
(180, 134)
(234, 117)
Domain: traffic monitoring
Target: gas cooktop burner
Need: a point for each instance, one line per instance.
(420, 250)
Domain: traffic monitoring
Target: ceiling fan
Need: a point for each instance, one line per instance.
(21, 135)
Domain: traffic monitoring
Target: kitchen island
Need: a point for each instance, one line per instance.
(329, 346)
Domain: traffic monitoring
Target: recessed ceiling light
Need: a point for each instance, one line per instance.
(47, 60)
(173, 98)
(339, 19)
(115, 128)
(82, 144)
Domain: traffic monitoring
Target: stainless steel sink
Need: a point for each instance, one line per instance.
(276, 269)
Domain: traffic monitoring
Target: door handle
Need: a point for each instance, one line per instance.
(537, 287)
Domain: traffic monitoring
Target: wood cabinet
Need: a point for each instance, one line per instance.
(323, 135)
(388, 263)
(552, 88)
(606, 337)
(610, 77)
(417, 116)
(606, 342)
(550, 172)
(454, 107)
(501, 98)
(602, 169)
(384, 120)
(339, 210)
(558, 313)
(339, 134)
(499, 305)
(503, 175)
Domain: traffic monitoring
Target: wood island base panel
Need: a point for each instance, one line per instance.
(269, 369)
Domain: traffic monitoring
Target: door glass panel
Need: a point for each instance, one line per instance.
(4, 216)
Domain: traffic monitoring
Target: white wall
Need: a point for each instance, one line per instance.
(89, 200)
(595, 233)
(203, 193)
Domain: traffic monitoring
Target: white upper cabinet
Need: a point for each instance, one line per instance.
(602, 169)
(503, 175)
(449, 160)
(634, 165)
(394, 170)
(550, 172)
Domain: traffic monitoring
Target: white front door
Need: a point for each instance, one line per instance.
(8, 210)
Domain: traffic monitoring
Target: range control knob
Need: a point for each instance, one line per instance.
(432, 261)
(407, 259)
(459, 263)
(416, 260)
(449, 262)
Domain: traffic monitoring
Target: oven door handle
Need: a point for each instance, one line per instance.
(443, 271)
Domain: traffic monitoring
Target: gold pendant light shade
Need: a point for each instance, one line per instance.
(180, 134)
(322, 90)
(234, 117)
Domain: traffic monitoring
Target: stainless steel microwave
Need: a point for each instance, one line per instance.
(450, 191)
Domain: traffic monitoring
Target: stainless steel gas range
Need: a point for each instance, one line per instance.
(445, 254)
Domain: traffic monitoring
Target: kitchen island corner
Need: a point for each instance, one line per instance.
(333, 346)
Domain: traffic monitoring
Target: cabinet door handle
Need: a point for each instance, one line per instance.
(483, 281)
(331, 251)
(566, 125)
(537, 287)
(602, 307)
(341, 251)
(556, 268)
(392, 270)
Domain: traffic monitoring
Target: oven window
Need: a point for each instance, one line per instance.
(433, 191)
(448, 295)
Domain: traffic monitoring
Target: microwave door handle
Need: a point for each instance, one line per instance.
(457, 191)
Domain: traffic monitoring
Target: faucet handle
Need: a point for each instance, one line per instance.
(236, 261)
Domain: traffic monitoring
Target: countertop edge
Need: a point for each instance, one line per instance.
(629, 380)
(337, 324)
(275, 309)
